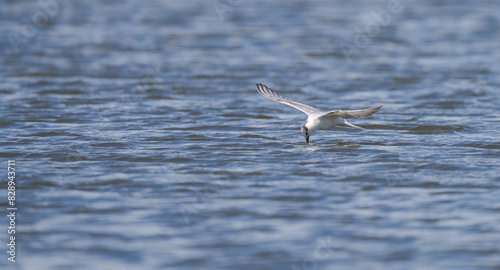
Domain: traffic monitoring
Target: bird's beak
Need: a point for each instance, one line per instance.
(307, 139)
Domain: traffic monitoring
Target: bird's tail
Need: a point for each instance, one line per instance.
(347, 124)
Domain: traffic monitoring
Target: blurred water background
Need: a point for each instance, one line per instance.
(141, 143)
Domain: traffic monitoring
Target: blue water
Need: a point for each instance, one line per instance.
(141, 143)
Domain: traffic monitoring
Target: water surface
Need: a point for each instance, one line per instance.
(141, 143)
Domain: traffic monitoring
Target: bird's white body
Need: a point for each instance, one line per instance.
(317, 119)
(314, 123)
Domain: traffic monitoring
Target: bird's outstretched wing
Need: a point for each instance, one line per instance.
(270, 94)
(352, 114)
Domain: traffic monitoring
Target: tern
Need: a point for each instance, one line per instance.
(316, 119)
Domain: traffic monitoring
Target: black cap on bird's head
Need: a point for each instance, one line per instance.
(305, 131)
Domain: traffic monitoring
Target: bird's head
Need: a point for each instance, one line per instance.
(305, 131)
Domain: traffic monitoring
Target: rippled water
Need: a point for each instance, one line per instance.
(141, 143)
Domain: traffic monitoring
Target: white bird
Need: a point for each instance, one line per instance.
(317, 119)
